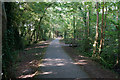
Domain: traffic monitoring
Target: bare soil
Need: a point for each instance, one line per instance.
(29, 60)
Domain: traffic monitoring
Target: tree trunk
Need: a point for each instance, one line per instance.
(104, 27)
(1, 39)
(65, 33)
(84, 14)
(101, 40)
(53, 33)
(4, 19)
(88, 23)
(74, 27)
(29, 33)
(119, 33)
(39, 28)
(38, 34)
(88, 31)
(97, 33)
(49, 34)
(105, 23)
(33, 34)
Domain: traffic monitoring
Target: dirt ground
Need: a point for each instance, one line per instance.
(93, 69)
(29, 60)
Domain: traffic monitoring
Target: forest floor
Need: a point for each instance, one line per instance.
(93, 69)
(29, 60)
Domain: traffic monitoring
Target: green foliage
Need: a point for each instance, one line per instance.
(110, 50)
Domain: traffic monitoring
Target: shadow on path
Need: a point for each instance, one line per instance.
(57, 64)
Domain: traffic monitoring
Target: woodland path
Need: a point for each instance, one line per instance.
(57, 64)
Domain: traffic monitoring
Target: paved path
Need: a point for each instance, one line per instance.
(57, 64)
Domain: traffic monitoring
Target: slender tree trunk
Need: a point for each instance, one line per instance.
(88, 23)
(119, 43)
(33, 34)
(1, 77)
(39, 28)
(53, 33)
(65, 34)
(74, 26)
(119, 33)
(101, 40)
(4, 19)
(37, 32)
(29, 33)
(84, 14)
(49, 34)
(105, 23)
(88, 31)
(42, 34)
(97, 33)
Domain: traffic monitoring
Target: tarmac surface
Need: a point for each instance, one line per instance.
(58, 64)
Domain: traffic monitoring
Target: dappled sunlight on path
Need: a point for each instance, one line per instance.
(57, 64)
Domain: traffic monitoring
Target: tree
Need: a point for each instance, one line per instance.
(97, 33)
(102, 26)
